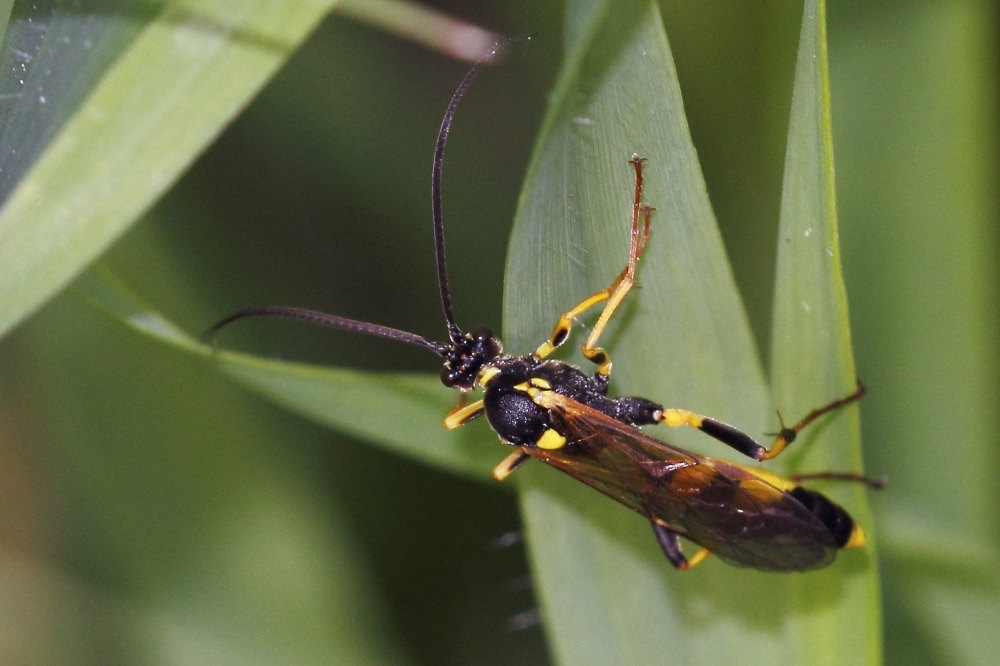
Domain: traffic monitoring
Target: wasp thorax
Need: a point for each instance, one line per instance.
(467, 357)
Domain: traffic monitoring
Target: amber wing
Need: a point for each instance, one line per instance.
(722, 506)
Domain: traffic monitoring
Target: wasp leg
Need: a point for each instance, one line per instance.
(787, 435)
(462, 413)
(671, 545)
(875, 483)
(509, 464)
(725, 433)
(614, 294)
(744, 443)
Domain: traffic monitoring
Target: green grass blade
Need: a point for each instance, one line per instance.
(838, 610)
(607, 593)
(684, 341)
(184, 76)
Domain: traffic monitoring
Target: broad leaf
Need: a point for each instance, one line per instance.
(125, 116)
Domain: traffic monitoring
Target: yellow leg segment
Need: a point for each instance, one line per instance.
(509, 464)
(614, 294)
(460, 414)
(565, 324)
(787, 435)
(675, 418)
(725, 433)
(744, 443)
(697, 558)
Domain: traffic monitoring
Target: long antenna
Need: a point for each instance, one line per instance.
(334, 321)
(454, 332)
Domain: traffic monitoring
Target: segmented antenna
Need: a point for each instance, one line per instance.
(454, 332)
(333, 321)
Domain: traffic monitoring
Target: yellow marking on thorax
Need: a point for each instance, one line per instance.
(550, 440)
(539, 382)
(539, 389)
(541, 397)
(486, 375)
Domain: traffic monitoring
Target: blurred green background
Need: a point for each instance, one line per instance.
(155, 512)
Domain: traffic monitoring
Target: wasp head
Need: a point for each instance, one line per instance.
(467, 356)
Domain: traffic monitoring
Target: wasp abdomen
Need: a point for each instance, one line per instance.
(843, 528)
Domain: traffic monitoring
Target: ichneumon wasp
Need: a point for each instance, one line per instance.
(550, 410)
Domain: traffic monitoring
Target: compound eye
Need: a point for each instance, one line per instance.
(482, 334)
(448, 376)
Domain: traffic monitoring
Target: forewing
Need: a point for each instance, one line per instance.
(719, 505)
(619, 460)
(748, 522)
